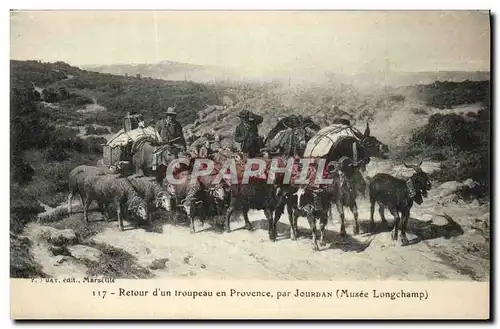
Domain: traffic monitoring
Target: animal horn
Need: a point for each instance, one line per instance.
(448, 218)
(414, 167)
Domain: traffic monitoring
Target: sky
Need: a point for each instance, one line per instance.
(261, 42)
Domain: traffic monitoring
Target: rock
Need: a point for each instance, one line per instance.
(59, 250)
(82, 252)
(477, 239)
(474, 204)
(426, 218)
(60, 259)
(449, 188)
(470, 183)
(430, 167)
(58, 237)
(158, 264)
(485, 217)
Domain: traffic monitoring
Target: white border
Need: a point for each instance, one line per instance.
(186, 4)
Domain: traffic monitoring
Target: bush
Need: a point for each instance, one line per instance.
(21, 172)
(397, 98)
(96, 130)
(22, 263)
(445, 95)
(93, 144)
(23, 208)
(80, 100)
(461, 145)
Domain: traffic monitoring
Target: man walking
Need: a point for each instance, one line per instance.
(247, 133)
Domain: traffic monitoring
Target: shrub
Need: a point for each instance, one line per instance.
(96, 130)
(397, 98)
(22, 263)
(21, 172)
(461, 145)
(445, 95)
(23, 208)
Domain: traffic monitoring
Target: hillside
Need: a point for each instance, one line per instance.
(117, 94)
(60, 115)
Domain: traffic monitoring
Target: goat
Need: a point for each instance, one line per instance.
(342, 192)
(398, 196)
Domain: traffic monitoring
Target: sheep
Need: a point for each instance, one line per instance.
(190, 198)
(79, 180)
(93, 183)
(109, 189)
(152, 193)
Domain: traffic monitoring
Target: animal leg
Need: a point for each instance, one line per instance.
(248, 225)
(312, 223)
(191, 219)
(294, 234)
(149, 216)
(354, 210)
(322, 225)
(86, 206)
(70, 197)
(330, 214)
(340, 209)
(396, 224)
(119, 215)
(138, 171)
(372, 220)
(229, 212)
(272, 225)
(381, 211)
(103, 210)
(405, 217)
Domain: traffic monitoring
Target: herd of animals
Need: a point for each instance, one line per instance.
(211, 198)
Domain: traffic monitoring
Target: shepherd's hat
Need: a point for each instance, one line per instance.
(171, 111)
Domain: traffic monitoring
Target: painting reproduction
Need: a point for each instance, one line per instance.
(250, 164)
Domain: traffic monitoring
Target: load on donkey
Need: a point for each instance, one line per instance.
(145, 150)
(341, 139)
(290, 135)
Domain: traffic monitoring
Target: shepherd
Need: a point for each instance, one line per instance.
(170, 131)
(247, 133)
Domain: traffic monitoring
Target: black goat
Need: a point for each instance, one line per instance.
(313, 201)
(398, 196)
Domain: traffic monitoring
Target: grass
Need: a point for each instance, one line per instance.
(22, 263)
(116, 263)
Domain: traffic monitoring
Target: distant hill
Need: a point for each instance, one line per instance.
(167, 70)
(423, 78)
(177, 71)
